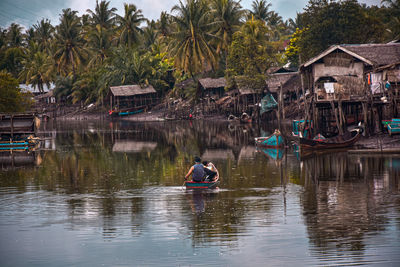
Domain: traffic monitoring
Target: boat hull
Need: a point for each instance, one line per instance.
(275, 140)
(342, 141)
(201, 185)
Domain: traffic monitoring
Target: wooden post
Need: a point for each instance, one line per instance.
(365, 114)
(341, 115)
(336, 117)
(283, 102)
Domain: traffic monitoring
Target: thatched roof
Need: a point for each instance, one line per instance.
(133, 146)
(210, 83)
(246, 90)
(372, 54)
(289, 81)
(379, 54)
(130, 90)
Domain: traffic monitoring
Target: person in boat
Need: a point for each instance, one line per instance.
(197, 171)
(211, 171)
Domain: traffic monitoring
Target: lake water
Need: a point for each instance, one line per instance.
(111, 194)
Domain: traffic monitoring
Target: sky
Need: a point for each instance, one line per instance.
(29, 12)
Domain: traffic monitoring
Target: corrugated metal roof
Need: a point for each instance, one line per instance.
(130, 90)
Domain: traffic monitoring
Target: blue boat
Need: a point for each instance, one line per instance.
(274, 140)
(274, 153)
(393, 126)
(201, 185)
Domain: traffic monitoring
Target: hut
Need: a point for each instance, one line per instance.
(131, 97)
(212, 88)
(344, 85)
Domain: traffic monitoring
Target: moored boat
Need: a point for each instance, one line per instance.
(274, 140)
(273, 153)
(201, 185)
(341, 141)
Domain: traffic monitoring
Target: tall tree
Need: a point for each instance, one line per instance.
(44, 33)
(70, 53)
(191, 40)
(102, 15)
(129, 25)
(227, 16)
(260, 10)
(37, 71)
(250, 53)
(14, 35)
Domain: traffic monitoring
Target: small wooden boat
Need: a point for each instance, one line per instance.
(201, 185)
(126, 111)
(274, 140)
(341, 141)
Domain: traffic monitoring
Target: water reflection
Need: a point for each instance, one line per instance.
(122, 182)
(347, 200)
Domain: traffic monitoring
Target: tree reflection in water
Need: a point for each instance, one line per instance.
(125, 179)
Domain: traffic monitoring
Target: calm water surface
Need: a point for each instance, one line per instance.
(110, 194)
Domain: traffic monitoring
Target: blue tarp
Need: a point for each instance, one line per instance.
(268, 103)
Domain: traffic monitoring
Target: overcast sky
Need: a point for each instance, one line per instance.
(28, 12)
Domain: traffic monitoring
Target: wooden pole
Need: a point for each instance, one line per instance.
(282, 102)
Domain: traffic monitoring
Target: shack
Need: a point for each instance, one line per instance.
(129, 97)
(212, 88)
(344, 85)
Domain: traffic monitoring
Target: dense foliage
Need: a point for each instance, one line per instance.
(85, 55)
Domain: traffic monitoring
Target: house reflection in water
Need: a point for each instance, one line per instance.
(344, 202)
(130, 146)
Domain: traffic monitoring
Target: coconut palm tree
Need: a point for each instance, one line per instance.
(129, 25)
(227, 15)
(44, 33)
(163, 24)
(70, 53)
(260, 10)
(14, 35)
(37, 70)
(191, 40)
(102, 15)
(99, 44)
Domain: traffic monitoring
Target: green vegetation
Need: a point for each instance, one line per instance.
(85, 55)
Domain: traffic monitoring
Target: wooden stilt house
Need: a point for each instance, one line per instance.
(345, 85)
(130, 99)
(211, 88)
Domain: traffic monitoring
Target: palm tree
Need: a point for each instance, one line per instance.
(149, 34)
(37, 70)
(228, 15)
(190, 44)
(128, 28)
(99, 44)
(260, 10)
(163, 24)
(14, 35)
(102, 15)
(70, 53)
(44, 33)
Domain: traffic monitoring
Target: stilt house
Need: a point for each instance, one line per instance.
(132, 96)
(346, 84)
(212, 88)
